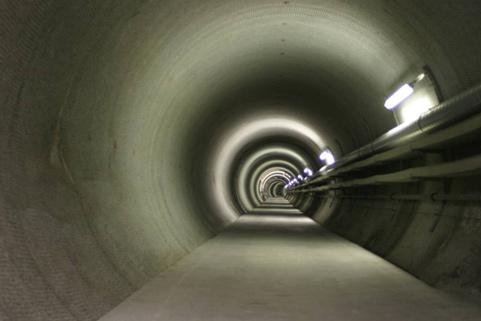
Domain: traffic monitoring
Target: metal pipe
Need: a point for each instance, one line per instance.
(435, 197)
(452, 110)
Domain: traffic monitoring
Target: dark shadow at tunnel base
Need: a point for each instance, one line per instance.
(285, 267)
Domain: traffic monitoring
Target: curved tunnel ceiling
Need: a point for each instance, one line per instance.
(218, 76)
(154, 122)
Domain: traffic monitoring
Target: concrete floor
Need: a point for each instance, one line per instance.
(286, 267)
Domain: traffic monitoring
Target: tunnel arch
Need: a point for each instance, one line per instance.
(113, 114)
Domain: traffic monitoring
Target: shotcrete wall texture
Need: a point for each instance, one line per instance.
(125, 125)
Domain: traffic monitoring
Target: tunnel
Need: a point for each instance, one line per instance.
(240, 160)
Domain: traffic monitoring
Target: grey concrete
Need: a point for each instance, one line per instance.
(282, 267)
(132, 131)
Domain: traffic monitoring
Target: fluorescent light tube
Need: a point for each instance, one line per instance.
(399, 96)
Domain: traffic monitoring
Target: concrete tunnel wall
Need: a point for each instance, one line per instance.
(125, 125)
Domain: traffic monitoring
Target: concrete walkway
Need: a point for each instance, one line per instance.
(283, 267)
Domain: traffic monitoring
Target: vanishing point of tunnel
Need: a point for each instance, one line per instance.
(227, 160)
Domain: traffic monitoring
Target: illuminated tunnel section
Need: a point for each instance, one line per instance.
(133, 131)
(268, 154)
(263, 175)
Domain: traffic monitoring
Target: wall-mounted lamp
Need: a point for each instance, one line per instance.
(327, 157)
(399, 96)
(308, 172)
(402, 93)
(414, 98)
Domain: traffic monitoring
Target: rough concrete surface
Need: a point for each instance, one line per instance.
(133, 131)
(287, 267)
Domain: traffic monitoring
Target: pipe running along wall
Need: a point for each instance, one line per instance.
(133, 131)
